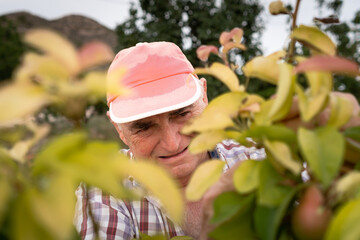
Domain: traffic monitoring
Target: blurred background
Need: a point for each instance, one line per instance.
(188, 23)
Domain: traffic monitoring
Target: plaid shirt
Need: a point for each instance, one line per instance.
(120, 219)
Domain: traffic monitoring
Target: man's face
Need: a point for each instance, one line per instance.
(159, 137)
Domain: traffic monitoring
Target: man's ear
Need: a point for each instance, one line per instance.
(204, 85)
(121, 135)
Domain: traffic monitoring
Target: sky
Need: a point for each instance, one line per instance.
(113, 12)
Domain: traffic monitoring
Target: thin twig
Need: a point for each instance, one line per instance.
(293, 41)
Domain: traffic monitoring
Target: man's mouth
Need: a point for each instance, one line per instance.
(174, 155)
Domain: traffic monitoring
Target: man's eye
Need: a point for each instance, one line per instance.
(183, 114)
(143, 128)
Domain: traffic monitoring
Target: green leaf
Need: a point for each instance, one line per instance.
(24, 223)
(271, 193)
(8, 175)
(272, 133)
(353, 132)
(238, 225)
(204, 177)
(284, 93)
(283, 155)
(246, 176)
(5, 195)
(206, 141)
(268, 219)
(323, 149)
(229, 204)
(315, 39)
(352, 153)
(182, 238)
(156, 237)
(344, 224)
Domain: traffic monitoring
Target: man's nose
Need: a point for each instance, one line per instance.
(170, 138)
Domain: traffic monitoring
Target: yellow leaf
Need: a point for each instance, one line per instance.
(206, 122)
(231, 45)
(161, 185)
(204, 177)
(44, 69)
(251, 103)
(277, 7)
(317, 79)
(282, 154)
(341, 111)
(261, 118)
(113, 83)
(315, 38)
(311, 105)
(284, 93)
(224, 74)
(217, 115)
(265, 68)
(21, 148)
(57, 200)
(95, 83)
(246, 176)
(347, 185)
(18, 101)
(56, 46)
(206, 141)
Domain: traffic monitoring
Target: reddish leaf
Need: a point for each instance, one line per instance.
(329, 64)
(94, 53)
(204, 51)
(235, 34)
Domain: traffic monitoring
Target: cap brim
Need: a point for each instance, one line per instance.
(150, 99)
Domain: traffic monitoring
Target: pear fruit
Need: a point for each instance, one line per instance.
(311, 218)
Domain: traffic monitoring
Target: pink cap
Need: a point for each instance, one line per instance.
(160, 79)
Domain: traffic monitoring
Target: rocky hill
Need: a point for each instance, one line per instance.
(78, 29)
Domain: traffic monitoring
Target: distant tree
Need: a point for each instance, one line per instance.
(347, 38)
(190, 24)
(11, 48)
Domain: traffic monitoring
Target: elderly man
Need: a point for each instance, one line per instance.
(165, 94)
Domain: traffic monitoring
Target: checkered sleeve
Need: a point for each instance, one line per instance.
(112, 221)
(232, 152)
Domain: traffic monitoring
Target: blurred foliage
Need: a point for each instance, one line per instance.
(11, 48)
(52, 139)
